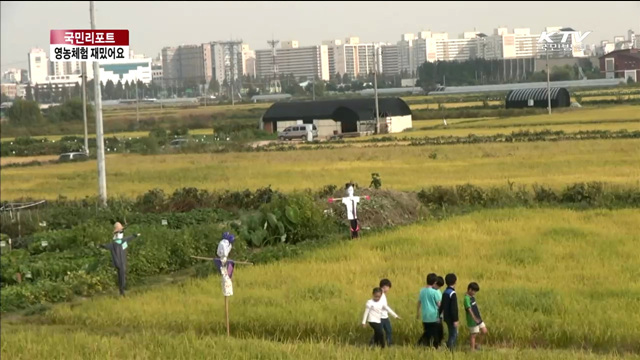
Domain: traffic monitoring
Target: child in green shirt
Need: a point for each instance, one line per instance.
(474, 320)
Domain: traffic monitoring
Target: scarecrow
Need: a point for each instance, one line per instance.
(351, 202)
(118, 249)
(225, 266)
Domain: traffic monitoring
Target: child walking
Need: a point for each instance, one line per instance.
(385, 285)
(439, 284)
(474, 320)
(373, 315)
(449, 310)
(428, 303)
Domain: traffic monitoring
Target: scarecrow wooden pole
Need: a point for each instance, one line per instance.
(212, 259)
(225, 266)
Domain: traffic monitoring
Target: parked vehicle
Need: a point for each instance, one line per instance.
(178, 143)
(298, 132)
(73, 156)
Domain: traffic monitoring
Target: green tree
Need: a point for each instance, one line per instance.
(127, 89)
(118, 91)
(65, 93)
(24, 113)
(109, 90)
(70, 110)
(562, 73)
(36, 94)
(336, 78)
(252, 92)
(293, 88)
(214, 86)
(29, 94)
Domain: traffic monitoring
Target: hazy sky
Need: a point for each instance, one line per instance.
(153, 25)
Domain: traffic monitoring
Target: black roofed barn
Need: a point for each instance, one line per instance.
(339, 116)
(522, 98)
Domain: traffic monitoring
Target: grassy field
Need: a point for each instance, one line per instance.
(570, 128)
(28, 342)
(622, 113)
(554, 279)
(410, 168)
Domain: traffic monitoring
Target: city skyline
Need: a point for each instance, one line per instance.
(402, 17)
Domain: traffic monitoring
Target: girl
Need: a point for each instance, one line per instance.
(373, 313)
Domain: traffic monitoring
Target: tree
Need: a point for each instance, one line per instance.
(118, 91)
(109, 90)
(24, 112)
(346, 78)
(253, 91)
(293, 88)
(70, 110)
(49, 96)
(127, 89)
(29, 92)
(36, 94)
(65, 93)
(4, 98)
(318, 86)
(563, 73)
(77, 91)
(336, 78)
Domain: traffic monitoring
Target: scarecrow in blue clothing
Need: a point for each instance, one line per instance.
(118, 249)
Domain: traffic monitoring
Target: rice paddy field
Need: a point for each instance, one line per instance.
(554, 284)
(402, 167)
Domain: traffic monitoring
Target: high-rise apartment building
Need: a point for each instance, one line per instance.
(38, 66)
(308, 61)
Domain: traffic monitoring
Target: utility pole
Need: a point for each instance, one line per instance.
(375, 88)
(84, 107)
(137, 107)
(548, 83)
(233, 57)
(275, 85)
(102, 171)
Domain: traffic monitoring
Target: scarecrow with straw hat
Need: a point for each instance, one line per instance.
(118, 249)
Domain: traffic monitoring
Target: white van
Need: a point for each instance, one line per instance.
(298, 132)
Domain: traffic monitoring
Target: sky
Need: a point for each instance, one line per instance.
(154, 25)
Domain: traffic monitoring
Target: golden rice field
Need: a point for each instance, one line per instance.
(6, 160)
(552, 284)
(453, 105)
(570, 128)
(622, 113)
(402, 167)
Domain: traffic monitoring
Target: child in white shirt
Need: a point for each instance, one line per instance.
(373, 315)
(385, 285)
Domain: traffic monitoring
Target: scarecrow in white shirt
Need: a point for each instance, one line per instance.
(351, 202)
(224, 265)
(373, 315)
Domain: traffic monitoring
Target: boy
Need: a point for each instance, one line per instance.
(385, 285)
(429, 302)
(438, 286)
(474, 320)
(449, 309)
(373, 313)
